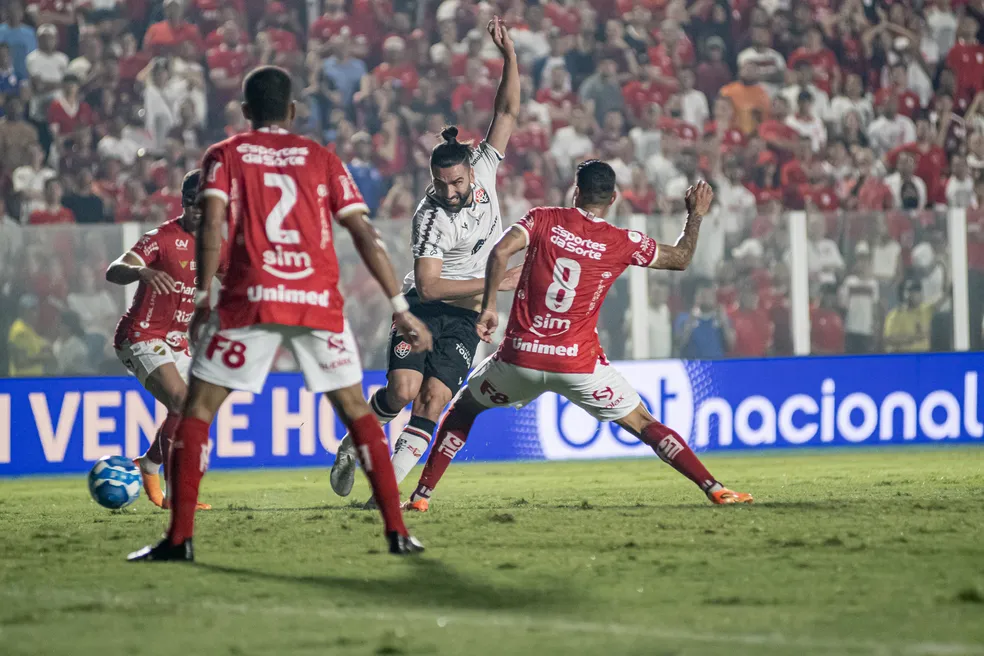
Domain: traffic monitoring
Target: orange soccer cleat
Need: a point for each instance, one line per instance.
(725, 496)
(420, 505)
(151, 485)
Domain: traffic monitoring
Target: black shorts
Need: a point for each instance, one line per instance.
(455, 340)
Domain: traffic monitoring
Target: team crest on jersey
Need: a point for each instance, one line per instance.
(402, 350)
(481, 196)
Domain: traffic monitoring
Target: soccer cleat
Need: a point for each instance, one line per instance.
(165, 551)
(151, 485)
(403, 545)
(370, 504)
(342, 475)
(725, 496)
(420, 505)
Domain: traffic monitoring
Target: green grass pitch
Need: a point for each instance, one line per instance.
(852, 552)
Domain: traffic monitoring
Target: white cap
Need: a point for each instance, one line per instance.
(47, 28)
(922, 255)
(862, 248)
(394, 42)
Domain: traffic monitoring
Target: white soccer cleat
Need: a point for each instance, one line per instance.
(343, 471)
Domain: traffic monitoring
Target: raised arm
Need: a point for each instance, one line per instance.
(511, 242)
(677, 257)
(507, 97)
(373, 253)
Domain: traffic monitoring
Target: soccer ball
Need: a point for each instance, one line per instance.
(114, 482)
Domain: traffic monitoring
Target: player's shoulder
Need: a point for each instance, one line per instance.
(430, 209)
(226, 144)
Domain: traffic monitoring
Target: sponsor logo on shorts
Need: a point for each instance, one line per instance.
(335, 343)
(464, 352)
(402, 350)
(569, 350)
(335, 364)
(281, 294)
(578, 245)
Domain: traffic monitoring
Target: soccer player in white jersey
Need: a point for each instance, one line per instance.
(551, 344)
(454, 229)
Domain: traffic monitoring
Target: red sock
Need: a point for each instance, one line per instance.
(451, 436)
(189, 460)
(374, 456)
(673, 450)
(157, 453)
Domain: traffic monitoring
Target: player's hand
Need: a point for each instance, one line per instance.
(500, 36)
(486, 325)
(699, 198)
(159, 281)
(511, 279)
(414, 331)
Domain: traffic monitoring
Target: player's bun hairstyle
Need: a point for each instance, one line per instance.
(189, 187)
(451, 152)
(267, 93)
(595, 181)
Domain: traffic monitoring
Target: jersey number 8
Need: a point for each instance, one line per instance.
(561, 292)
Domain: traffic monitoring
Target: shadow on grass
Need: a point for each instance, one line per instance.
(425, 583)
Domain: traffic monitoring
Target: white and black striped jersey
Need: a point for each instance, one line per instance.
(462, 240)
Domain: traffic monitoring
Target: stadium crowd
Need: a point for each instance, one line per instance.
(867, 115)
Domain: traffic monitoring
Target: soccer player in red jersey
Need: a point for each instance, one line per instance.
(551, 344)
(276, 193)
(151, 338)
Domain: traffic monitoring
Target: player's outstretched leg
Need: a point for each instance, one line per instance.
(189, 460)
(150, 462)
(373, 453)
(674, 451)
(451, 436)
(342, 476)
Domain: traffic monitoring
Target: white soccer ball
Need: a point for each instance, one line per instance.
(114, 482)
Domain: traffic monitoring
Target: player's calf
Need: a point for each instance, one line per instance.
(451, 437)
(342, 476)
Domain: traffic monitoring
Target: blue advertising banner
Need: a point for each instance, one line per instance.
(62, 425)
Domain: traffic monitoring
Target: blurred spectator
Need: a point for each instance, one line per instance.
(891, 129)
(572, 143)
(769, 65)
(68, 113)
(344, 70)
(908, 191)
(752, 326)
(70, 350)
(704, 332)
(853, 99)
(29, 181)
(28, 352)
(47, 67)
(859, 298)
(164, 37)
(601, 92)
(886, 261)
(659, 321)
(749, 98)
(18, 138)
(907, 327)
(693, 102)
(823, 255)
(366, 175)
(803, 81)
(806, 123)
(930, 265)
(52, 211)
(93, 304)
(20, 38)
(826, 324)
(11, 82)
(714, 73)
(958, 190)
(80, 199)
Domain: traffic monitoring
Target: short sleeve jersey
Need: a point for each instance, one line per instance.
(171, 249)
(282, 191)
(464, 239)
(572, 260)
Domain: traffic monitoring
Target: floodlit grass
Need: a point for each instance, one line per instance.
(860, 552)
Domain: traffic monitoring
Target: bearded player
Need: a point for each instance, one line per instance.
(551, 344)
(151, 339)
(276, 194)
(454, 230)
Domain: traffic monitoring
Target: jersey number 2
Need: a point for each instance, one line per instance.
(561, 292)
(275, 220)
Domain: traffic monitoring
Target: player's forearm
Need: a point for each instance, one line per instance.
(208, 252)
(444, 289)
(678, 256)
(375, 257)
(495, 270)
(121, 273)
(507, 96)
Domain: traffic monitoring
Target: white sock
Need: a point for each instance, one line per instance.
(407, 452)
(148, 466)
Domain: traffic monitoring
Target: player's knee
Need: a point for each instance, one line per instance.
(399, 393)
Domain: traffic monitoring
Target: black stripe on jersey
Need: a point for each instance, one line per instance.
(428, 225)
